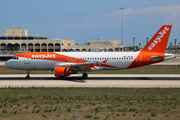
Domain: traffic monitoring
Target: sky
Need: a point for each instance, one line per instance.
(92, 19)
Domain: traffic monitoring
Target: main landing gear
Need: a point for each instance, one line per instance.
(27, 76)
(85, 75)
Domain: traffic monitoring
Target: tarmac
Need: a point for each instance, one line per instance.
(122, 80)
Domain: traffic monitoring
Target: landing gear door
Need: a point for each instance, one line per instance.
(27, 59)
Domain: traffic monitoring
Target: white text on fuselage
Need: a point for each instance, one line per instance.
(158, 39)
(44, 56)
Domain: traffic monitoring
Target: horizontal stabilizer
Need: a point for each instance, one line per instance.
(166, 57)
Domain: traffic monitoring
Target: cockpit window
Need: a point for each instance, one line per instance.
(15, 58)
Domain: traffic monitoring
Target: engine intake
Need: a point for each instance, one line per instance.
(62, 71)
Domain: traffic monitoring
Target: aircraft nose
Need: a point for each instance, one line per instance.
(7, 64)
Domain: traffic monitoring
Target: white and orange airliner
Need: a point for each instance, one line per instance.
(66, 63)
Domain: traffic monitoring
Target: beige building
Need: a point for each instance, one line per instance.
(16, 32)
(96, 45)
(115, 43)
(18, 40)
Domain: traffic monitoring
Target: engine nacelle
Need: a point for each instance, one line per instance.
(61, 71)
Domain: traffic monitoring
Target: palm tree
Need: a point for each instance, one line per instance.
(139, 46)
(147, 40)
(175, 43)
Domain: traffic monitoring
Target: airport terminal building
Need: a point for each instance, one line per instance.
(18, 40)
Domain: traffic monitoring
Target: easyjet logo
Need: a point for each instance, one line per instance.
(44, 56)
(158, 39)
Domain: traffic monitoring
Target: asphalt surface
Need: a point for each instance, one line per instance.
(125, 80)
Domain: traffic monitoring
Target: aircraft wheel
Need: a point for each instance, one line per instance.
(84, 76)
(27, 76)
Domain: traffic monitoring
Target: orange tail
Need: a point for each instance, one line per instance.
(159, 42)
(154, 51)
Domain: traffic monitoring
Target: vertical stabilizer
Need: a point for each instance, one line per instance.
(154, 51)
(159, 41)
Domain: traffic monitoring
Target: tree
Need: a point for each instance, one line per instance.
(139, 46)
(147, 40)
(175, 43)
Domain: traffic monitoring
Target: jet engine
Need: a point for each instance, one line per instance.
(62, 71)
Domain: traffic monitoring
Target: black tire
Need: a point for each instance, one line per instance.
(84, 76)
(27, 77)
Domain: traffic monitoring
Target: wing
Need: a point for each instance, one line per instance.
(89, 65)
(80, 66)
(76, 64)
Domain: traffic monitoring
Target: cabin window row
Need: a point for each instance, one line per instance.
(106, 58)
(84, 58)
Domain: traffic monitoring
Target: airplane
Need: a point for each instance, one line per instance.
(66, 63)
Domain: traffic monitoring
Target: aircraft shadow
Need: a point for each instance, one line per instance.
(73, 79)
(134, 78)
(81, 80)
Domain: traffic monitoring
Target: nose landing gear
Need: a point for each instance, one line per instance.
(27, 76)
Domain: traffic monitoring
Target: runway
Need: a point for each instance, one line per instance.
(125, 80)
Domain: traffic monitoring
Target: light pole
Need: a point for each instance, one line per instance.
(134, 43)
(122, 25)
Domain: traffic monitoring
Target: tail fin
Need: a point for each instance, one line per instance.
(159, 42)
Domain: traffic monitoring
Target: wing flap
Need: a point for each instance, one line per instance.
(77, 64)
